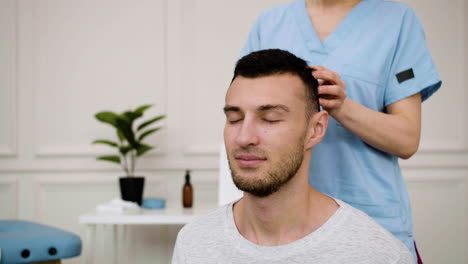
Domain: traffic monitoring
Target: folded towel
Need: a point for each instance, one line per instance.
(118, 206)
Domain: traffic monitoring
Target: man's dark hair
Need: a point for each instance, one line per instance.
(275, 61)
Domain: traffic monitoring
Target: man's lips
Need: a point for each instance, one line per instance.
(247, 160)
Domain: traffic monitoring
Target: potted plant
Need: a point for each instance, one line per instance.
(129, 146)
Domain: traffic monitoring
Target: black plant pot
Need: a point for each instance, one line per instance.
(131, 188)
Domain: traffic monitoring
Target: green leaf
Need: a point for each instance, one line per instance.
(120, 135)
(105, 142)
(125, 149)
(142, 149)
(139, 111)
(107, 117)
(149, 122)
(128, 116)
(126, 129)
(147, 133)
(115, 159)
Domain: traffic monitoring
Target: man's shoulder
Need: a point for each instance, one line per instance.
(362, 225)
(205, 238)
(371, 237)
(203, 225)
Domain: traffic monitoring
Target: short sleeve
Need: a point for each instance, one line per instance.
(253, 40)
(412, 69)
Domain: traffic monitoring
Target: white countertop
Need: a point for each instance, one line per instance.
(167, 216)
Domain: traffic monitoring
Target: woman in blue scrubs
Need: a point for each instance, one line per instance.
(375, 70)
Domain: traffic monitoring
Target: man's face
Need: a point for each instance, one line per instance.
(265, 131)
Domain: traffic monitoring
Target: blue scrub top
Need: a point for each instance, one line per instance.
(380, 52)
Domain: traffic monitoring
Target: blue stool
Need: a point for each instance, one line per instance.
(28, 242)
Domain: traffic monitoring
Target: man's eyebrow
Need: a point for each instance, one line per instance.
(229, 108)
(272, 107)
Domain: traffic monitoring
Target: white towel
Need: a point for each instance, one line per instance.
(118, 206)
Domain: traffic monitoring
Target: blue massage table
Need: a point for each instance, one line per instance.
(29, 242)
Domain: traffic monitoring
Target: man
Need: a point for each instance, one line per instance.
(272, 123)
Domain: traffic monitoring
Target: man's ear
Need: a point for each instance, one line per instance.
(316, 130)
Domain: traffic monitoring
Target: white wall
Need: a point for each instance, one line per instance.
(62, 60)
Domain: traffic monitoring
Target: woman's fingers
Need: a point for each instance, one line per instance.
(331, 96)
(329, 104)
(318, 68)
(331, 90)
(328, 76)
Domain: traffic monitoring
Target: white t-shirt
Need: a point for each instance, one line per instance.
(349, 236)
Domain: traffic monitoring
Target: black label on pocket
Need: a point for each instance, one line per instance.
(405, 75)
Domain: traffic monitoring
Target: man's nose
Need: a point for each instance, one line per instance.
(247, 134)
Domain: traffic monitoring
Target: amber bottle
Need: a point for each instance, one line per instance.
(187, 191)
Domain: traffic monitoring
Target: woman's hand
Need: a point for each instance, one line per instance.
(331, 89)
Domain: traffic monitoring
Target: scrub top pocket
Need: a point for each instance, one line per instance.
(364, 85)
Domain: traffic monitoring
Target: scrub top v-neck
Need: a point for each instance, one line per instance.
(337, 36)
(380, 52)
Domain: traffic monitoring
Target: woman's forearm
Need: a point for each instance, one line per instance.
(396, 132)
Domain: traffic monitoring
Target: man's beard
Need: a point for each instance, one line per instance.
(276, 177)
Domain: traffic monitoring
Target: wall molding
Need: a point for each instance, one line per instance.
(442, 159)
(461, 180)
(82, 151)
(9, 149)
(196, 158)
(80, 164)
(13, 183)
(41, 183)
(453, 147)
